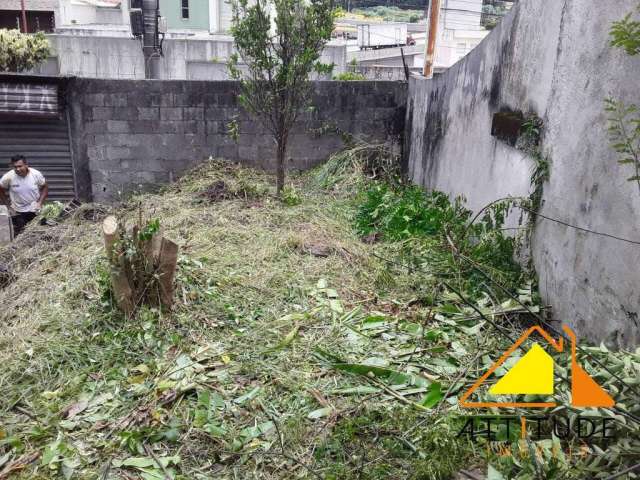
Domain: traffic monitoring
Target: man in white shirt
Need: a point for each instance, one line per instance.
(27, 191)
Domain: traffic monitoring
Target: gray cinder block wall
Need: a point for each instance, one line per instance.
(132, 133)
(552, 59)
(5, 226)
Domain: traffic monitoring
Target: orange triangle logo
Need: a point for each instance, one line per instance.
(585, 391)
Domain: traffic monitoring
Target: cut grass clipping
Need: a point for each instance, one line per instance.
(294, 349)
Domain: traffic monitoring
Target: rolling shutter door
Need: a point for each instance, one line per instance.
(45, 144)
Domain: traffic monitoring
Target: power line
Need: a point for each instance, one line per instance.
(582, 229)
(551, 219)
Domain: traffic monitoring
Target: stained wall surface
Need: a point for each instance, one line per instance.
(551, 59)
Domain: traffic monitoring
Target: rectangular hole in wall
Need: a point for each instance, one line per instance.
(506, 126)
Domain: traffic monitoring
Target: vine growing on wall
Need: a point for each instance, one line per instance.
(529, 142)
(623, 119)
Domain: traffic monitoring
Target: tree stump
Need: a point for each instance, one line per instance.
(120, 285)
(143, 266)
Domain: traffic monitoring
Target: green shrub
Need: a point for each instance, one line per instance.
(624, 119)
(625, 34)
(290, 196)
(21, 51)
(349, 76)
(406, 212)
(390, 14)
(439, 235)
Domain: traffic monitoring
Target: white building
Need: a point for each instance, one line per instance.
(460, 30)
(90, 12)
(183, 17)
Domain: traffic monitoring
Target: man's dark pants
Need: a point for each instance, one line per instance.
(20, 221)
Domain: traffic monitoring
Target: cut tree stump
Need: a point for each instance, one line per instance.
(110, 234)
(147, 278)
(167, 270)
(119, 282)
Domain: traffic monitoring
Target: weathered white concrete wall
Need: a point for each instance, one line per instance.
(551, 58)
(109, 15)
(98, 57)
(87, 54)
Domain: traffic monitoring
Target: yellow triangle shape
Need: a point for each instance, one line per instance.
(532, 374)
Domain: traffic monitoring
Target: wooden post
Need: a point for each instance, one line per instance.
(167, 270)
(119, 281)
(25, 27)
(429, 58)
(110, 234)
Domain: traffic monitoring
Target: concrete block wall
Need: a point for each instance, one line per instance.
(129, 134)
(552, 59)
(5, 226)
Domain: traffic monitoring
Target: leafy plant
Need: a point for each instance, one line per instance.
(624, 120)
(147, 232)
(532, 460)
(390, 14)
(625, 34)
(349, 77)
(20, 51)
(290, 196)
(432, 453)
(51, 210)
(431, 225)
(624, 134)
(400, 213)
(280, 54)
(233, 130)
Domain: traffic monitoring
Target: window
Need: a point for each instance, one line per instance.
(185, 9)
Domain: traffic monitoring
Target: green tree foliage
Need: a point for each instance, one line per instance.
(20, 51)
(430, 222)
(390, 14)
(624, 134)
(279, 54)
(624, 120)
(349, 77)
(625, 34)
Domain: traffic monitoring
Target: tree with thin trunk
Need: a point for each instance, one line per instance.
(278, 46)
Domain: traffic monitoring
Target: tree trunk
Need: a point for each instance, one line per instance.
(167, 271)
(119, 281)
(280, 168)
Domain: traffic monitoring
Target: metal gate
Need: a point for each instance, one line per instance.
(45, 144)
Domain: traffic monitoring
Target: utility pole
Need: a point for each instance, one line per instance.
(434, 19)
(150, 39)
(25, 28)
